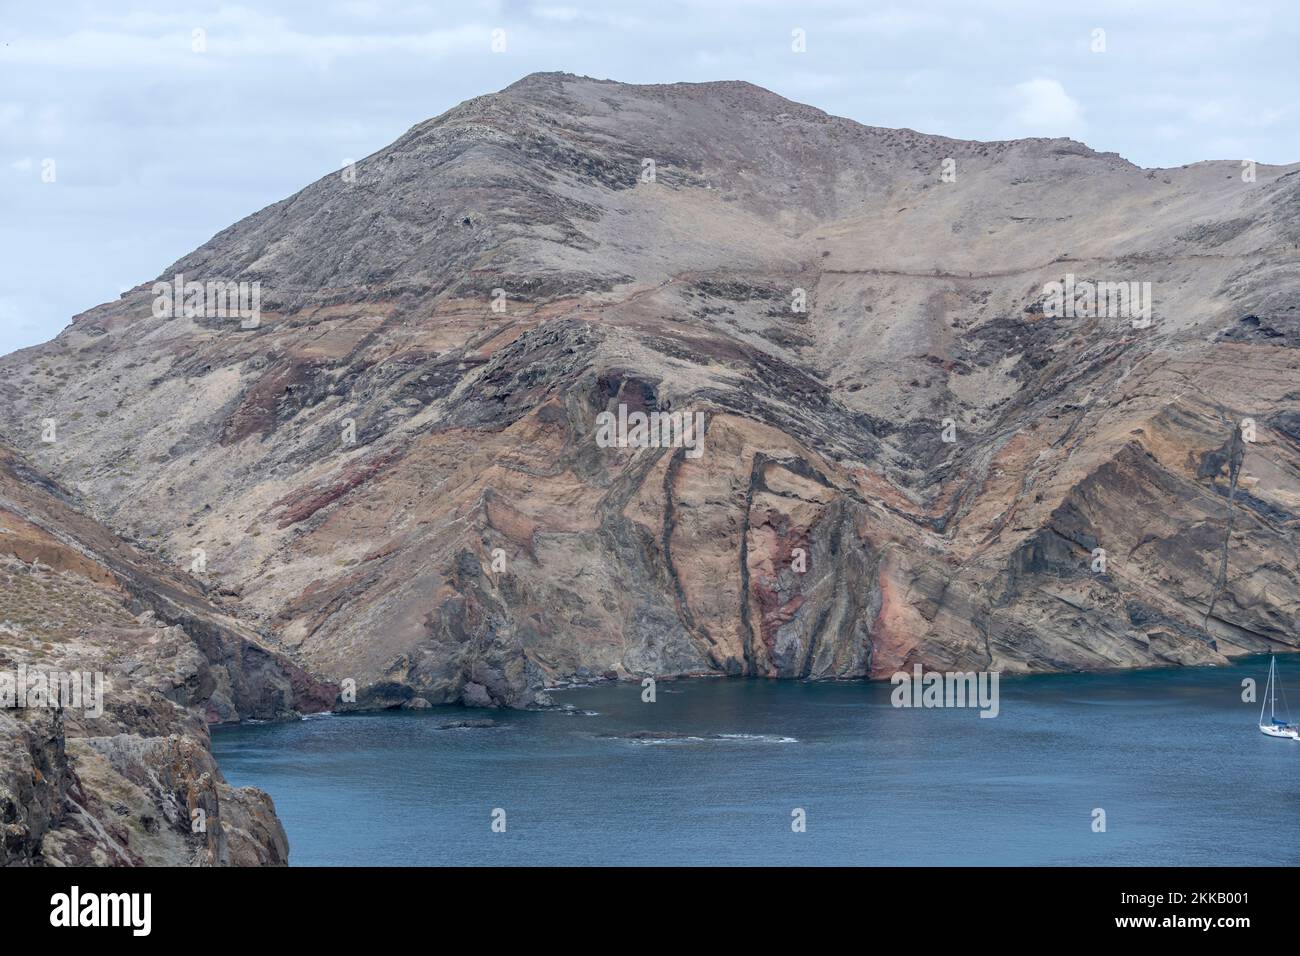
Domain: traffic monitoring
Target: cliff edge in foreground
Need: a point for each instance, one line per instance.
(121, 774)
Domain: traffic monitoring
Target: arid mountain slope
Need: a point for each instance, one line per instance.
(125, 777)
(396, 472)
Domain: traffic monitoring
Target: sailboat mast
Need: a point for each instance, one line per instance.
(1272, 707)
(1268, 686)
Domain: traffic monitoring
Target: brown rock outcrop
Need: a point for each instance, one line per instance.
(127, 779)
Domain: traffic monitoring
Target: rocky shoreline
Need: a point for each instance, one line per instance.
(125, 778)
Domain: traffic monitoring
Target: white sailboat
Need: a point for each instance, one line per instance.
(1275, 727)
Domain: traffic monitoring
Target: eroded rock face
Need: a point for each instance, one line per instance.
(126, 776)
(401, 485)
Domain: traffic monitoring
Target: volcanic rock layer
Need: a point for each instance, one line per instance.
(393, 474)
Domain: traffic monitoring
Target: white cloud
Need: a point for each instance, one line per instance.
(1043, 108)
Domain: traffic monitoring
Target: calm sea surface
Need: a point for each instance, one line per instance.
(1172, 756)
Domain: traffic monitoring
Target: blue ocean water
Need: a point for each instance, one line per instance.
(1172, 756)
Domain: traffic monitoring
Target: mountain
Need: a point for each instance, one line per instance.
(910, 453)
(126, 776)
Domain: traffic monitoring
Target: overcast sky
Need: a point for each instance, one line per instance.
(157, 146)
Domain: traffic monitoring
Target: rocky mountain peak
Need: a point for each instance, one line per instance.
(394, 465)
